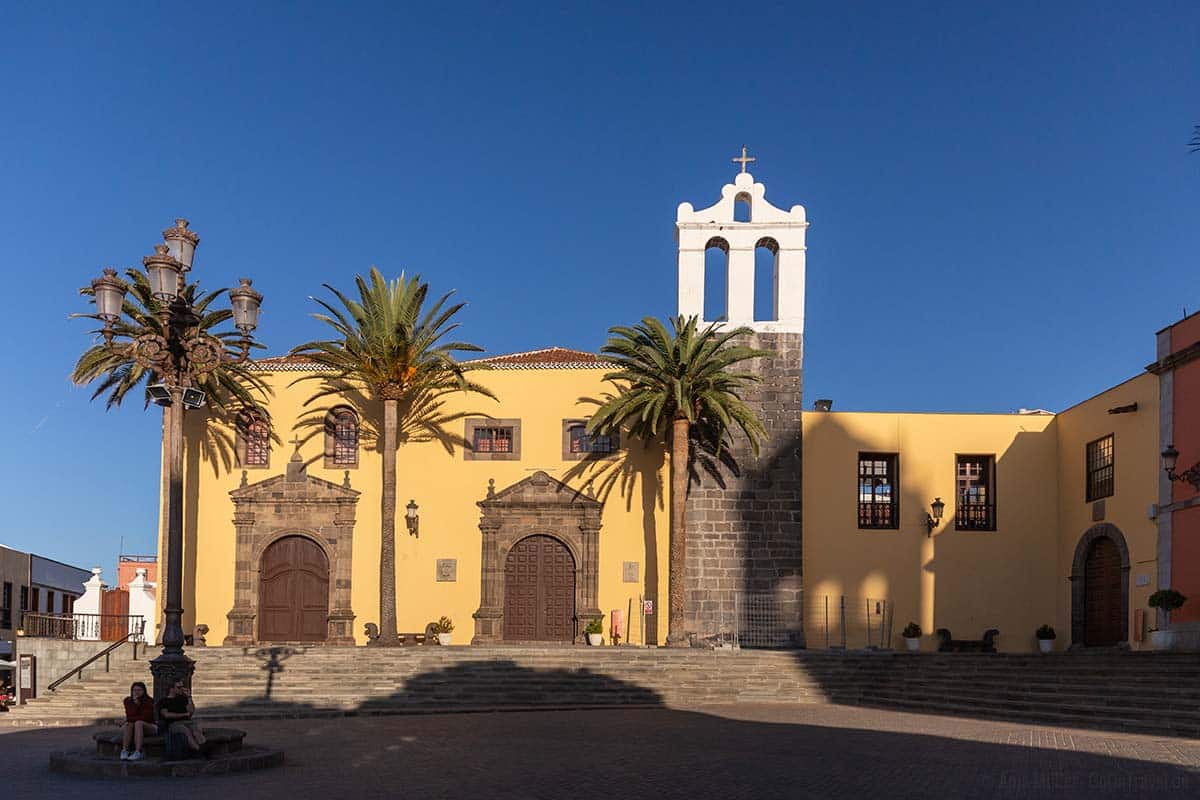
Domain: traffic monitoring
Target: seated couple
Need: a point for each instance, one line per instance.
(174, 717)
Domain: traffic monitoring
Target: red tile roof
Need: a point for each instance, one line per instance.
(546, 358)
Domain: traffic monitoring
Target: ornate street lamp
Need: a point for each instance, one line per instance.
(179, 355)
(931, 520)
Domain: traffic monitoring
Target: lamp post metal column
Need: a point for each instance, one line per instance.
(179, 354)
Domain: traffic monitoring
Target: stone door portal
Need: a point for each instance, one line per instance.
(293, 592)
(539, 591)
(1102, 592)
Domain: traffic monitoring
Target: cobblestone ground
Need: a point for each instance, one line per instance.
(727, 752)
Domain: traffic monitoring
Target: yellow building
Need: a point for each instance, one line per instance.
(527, 529)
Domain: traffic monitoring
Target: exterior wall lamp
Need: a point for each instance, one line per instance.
(1190, 475)
(931, 520)
(411, 519)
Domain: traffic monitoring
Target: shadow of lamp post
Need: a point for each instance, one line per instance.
(178, 356)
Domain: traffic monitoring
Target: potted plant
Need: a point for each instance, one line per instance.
(1168, 600)
(1045, 636)
(595, 633)
(445, 630)
(912, 636)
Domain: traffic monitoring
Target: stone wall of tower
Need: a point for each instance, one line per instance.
(744, 538)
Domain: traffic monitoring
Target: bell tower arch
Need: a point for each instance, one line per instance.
(759, 566)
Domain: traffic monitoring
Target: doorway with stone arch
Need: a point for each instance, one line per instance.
(539, 591)
(1100, 588)
(293, 603)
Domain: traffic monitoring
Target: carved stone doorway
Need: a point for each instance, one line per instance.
(1100, 588)
(293, 592)
(552, 534)
(539, 591)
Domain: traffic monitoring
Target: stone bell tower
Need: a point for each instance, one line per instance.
(744, 538)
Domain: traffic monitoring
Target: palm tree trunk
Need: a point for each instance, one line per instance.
(677, 563)
(387, 529)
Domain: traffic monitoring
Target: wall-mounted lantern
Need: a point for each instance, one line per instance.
(1170, 457)
(931, 520)
(411, 519)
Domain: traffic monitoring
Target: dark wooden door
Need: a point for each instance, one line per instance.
(114, 615)
(293, 604)
(1102, 594)
(539, 591)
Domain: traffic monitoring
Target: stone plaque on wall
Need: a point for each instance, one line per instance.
(447, 569)
(629, 572)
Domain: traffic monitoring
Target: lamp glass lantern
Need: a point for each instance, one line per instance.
(164, 273)
(938, 508)
(1170, 457)
(109, 291)
(246, 304)
(181, 243)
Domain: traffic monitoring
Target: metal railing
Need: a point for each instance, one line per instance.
(840, 622)
(134, 638)
(84, 627)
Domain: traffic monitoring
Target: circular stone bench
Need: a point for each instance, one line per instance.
(221, 741)
(84, 762)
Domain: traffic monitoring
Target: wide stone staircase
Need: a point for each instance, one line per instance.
(1145, 692)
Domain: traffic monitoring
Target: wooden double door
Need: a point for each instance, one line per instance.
(293, 600)
(1102, 594)
(539, 591)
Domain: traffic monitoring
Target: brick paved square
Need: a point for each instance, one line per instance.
(759, 751)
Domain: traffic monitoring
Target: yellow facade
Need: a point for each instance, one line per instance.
(1014, 578)
(446, 487)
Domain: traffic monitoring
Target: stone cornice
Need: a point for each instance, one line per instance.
(1175, 360)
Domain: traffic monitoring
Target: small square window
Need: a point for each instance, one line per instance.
(578, 444)
(493, 440)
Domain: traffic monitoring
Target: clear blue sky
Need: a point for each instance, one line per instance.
(1003, 206)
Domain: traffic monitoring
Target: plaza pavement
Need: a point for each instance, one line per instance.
(746, 751)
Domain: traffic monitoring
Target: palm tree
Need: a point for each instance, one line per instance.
(675, 384)
(389, 349)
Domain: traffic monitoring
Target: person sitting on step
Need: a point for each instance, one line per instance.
(139, 722)
(176, 710)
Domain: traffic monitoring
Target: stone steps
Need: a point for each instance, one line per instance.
(1132, 691)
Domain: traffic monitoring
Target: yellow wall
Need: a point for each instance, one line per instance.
(1135, 487)
(967, 581)
(446, 488)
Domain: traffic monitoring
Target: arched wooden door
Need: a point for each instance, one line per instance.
(539, 591)
(1102, 594)
(293, 599)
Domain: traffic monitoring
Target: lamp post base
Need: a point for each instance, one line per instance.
(168, 668)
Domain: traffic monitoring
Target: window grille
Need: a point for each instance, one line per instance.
(493, 440)
(878, 491)
(345, 438)
(256, 433)
(975, 509)
(6, 606)
(1100, 468)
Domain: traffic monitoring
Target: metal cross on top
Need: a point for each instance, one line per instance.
(744, 160)
(297, 441)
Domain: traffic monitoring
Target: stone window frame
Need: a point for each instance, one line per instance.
(567, 455)
(330, 450)
(243, 421)
(472, 423)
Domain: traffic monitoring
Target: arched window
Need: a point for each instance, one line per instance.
(716, 280)
(254, 439)
(341, 437)
(741, 207)
(766, 279)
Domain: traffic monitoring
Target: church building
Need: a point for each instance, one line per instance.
(844, 522)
